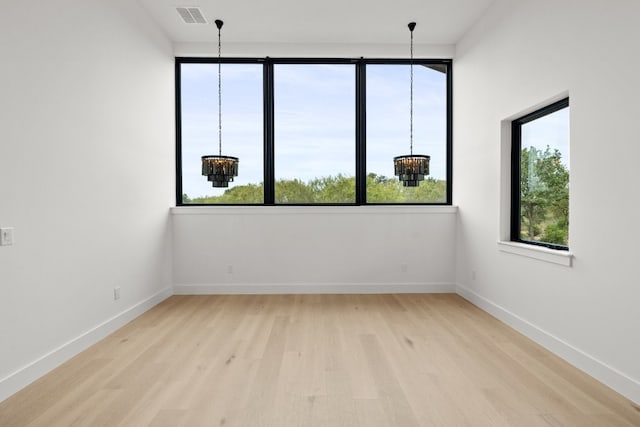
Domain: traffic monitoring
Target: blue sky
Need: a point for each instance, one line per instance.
(314, 120)
(551, 130)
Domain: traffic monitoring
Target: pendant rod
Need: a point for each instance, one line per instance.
(219, 24)
(411, 26)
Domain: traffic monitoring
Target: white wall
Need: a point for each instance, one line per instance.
(519, 55)
(86, 153)
(318, 50)
(314, 249)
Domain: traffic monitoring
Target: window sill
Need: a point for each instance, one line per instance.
(298, 210)
(537, 252)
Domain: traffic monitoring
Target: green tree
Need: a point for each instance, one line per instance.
(381, 189)
(334, 189)
(544, 196)
(532, 201)
(293, 191)
(250, 193)
(430, 190)
(331, 189)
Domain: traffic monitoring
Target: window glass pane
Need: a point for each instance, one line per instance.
(314, 133)
(388, 130)
(242, 130)
(544, 179)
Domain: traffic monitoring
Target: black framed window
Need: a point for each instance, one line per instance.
(540, 177)
(388, 125)
(242, 130)
(313, 131)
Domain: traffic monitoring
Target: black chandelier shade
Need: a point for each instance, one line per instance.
(219, 169)
(411, 168)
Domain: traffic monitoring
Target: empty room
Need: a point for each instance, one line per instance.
(296, 213)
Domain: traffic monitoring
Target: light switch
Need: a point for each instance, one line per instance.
(6, 236)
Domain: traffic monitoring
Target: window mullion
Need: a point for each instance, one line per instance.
(449, 135)
(516, 148)
(361, 133)
(178, 111)
(269, 154)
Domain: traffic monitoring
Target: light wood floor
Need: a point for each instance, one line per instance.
(317, 360)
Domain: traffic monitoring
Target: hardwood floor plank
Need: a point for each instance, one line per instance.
(317, 360)
(396, 407)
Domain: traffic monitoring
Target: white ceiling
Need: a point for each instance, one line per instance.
(321, 21)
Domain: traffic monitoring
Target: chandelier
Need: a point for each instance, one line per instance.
(411, 168)
(219, 169)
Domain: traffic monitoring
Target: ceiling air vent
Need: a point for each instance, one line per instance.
(191, 15)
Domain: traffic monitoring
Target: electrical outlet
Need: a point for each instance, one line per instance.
(6, 236)
(473, 275)
(404, 267)
(116, 294)
(229, 269)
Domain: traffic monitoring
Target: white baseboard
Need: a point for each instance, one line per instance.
(23, 377)
(613, 378)
(314, 288)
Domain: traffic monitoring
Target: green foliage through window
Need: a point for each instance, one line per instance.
(331, 189)
(544, 196)
(540, 179)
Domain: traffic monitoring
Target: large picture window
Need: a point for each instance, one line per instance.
(540, 177)
(242, 131)
(314, 126)
(312, 131)
(388, 127)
